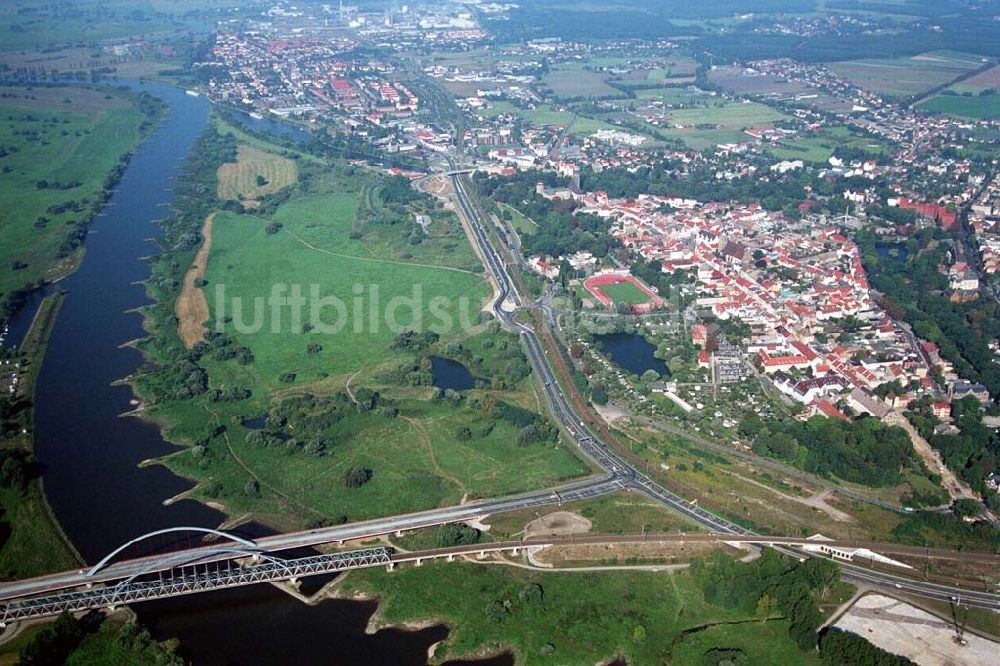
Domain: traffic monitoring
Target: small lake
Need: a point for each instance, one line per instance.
(896, 251)
(449, 374)
(632, 352)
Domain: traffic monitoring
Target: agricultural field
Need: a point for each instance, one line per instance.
(572, 81)
(58, 145)
(641, 617)
(818, 147)
(973, 106)
(547, 115)
(255, 174)
(907, 77)
(88, 21)
(739, 81)
(988, 80)
(701, 120)
(314, 248)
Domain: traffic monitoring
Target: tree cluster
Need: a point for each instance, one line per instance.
(769, 585)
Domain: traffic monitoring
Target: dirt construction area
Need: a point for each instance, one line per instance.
(559, 523)
(903, 629)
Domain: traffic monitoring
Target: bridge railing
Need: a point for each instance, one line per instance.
(202, 578)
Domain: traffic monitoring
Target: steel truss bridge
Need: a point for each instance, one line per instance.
(241, 562)
(252, 567)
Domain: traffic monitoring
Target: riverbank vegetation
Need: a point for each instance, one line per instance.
(304, 422)
(62, 150)
(761, 612)
(90, 640)
(31, 540)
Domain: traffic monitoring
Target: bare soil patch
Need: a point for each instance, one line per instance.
(558, 523)
(192, 306)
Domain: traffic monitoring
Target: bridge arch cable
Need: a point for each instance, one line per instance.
(169, 530)
(184, 559)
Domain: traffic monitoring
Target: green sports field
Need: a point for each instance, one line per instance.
(625, 293)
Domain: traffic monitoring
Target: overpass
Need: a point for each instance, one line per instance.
(242, 562)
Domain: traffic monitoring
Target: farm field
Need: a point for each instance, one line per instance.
(241, 180)
(975, 107)
(97, 20)
(58, 146)
(904, 77)
(709, 127)
(637, 616)
(819, 147)
(546, 115)
(988, 80)
(572, 82)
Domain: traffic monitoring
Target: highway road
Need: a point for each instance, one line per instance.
(325, 535)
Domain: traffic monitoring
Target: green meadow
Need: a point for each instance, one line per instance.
(639, 617)
(975, 107)
(313, 248)
(319, 236)
(57, 146)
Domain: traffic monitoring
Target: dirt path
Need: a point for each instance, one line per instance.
(425, 436)
(191, 307)
(817, 500)
(931, 458)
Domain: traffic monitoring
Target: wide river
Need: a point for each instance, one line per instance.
(89, 454)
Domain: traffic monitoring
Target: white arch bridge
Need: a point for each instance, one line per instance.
(236, 563)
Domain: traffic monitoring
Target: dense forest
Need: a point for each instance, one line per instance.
(863, 451)
(770, 585)
(560, 230)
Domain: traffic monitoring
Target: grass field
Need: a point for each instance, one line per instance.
(572, 81)
(316, 238)
(819, 147)
(86, 21)
(903, 77)
(582, 618)
(960, 106)
(625, 292)
(703, 121)
(239, 180)
(313, 248)
(59, 137)
(617, 513)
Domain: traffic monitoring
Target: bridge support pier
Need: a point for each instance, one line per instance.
(391, 566)
(514, 551)
(420, 562)
(481, 555)
(451, 558)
